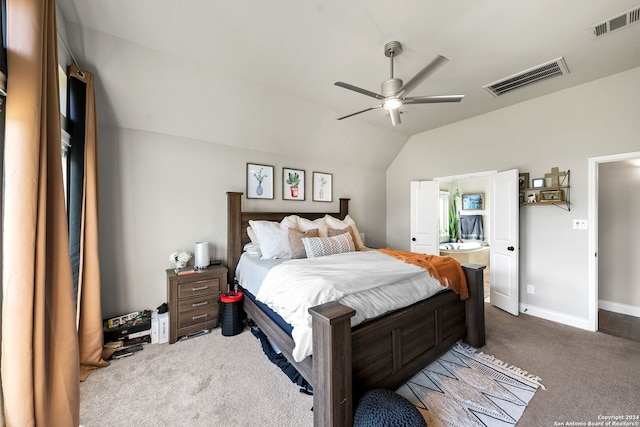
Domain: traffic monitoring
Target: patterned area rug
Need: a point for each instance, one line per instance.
(467, 388)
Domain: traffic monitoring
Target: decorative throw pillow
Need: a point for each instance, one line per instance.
(321, 246)
(334, 232)
(336, 223)
(295, 241)
(272, 238)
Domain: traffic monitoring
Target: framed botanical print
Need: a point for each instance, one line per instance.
(322, 187)
(292, 184)
(259, 181)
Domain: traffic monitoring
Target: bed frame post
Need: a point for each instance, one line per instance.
(475, 305)
(332, 366)
(344, 207)
(234, 233)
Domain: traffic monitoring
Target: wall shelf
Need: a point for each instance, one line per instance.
(559, 195)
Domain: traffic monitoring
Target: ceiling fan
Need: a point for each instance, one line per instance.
(394, 93)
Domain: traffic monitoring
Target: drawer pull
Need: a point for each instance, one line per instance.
(199, 317)
(198, 304)
(202, 288)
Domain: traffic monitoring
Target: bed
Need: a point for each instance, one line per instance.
(381, 353)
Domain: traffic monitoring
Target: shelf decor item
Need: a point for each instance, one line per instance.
(537, 183)
(552, 196)
(259, 181)
(523, 180)
(554, 176)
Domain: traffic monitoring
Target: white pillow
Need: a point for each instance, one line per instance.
(305, 224)
(291, 222)
(253, 250)
(321, 246)
(336, 223)
(272, 238)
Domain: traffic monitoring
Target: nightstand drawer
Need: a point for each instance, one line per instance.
(198, 288)
(186, 307)
(198, 311)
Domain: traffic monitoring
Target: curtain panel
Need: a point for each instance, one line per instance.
(40, 362)
(83, 218)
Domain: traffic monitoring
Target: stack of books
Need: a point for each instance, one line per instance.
(127, 333)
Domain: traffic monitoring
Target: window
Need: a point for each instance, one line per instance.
(66, 138)
(443, 216)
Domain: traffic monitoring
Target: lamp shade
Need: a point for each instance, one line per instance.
(202, 255)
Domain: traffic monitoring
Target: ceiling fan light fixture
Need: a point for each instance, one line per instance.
(391, 103)
(394, 93)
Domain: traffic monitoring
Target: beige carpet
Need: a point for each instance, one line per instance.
(206, 381)
(227, 381)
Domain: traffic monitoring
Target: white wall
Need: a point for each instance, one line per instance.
(154, 147)
(161, 193)
(563, 129)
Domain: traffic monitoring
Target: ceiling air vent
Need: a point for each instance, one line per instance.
(545, 71)
(616, 23)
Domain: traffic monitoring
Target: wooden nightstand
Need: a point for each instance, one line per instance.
(193, 300)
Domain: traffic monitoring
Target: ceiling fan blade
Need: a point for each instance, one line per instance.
(416, 80)
(395, 116)
(359, 90)
(363, 111)
(433, 99)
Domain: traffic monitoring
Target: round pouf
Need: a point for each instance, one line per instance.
(385, 408)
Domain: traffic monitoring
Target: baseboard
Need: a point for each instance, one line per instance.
(554, 316)
(616, 307)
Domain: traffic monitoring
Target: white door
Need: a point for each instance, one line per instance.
(424, 217)
(505, 204)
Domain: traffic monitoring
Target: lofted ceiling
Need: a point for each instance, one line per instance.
(199, 69)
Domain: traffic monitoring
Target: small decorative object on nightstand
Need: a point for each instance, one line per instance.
(193, 300)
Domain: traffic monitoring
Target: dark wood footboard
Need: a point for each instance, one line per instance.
(386, 352)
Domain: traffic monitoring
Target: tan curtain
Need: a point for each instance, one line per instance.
(89, 313)
(40, 364)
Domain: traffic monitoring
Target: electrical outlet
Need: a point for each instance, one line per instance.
(530, 289)
(580, 224)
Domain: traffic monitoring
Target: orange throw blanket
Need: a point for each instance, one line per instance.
(444, 269)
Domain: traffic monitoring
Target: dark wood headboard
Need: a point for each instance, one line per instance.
(238, 221)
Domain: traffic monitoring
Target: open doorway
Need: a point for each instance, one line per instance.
(500, 201)
(613, 237)
(475, 248)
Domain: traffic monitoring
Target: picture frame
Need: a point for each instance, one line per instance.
(523, 181)
(473, 202)
(552, 196)
(259, 181)
(537, 183)
(322, 187)
(293, 184)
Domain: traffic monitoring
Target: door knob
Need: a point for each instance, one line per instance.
(413, 239)
(510, 248)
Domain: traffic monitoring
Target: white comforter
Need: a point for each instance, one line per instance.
(370, 282)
